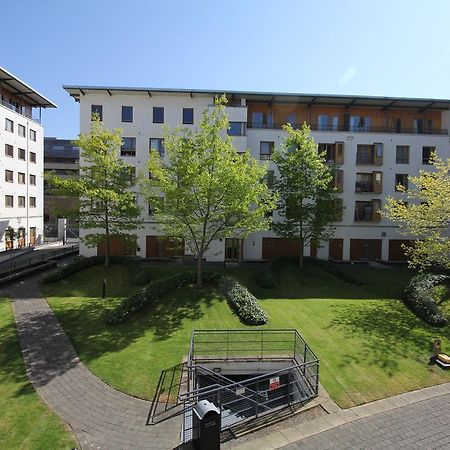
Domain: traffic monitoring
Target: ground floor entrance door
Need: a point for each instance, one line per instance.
(336, 249)
(32, 235)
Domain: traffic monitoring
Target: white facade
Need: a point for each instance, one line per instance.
(142, 128)
(21, 163)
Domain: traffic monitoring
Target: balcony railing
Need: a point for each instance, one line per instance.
(353, 129)
(22, 111)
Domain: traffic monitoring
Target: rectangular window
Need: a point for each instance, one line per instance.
(266, 150)
(359, 123)
(364, 182)
(322, 122)
(9, 150)
(32, 180)
(236, 129)
(9, 125)
(21, 178)
(9, 201)
(158, 145)
(155, 203)
(188, 116)
(32, 135)
(21, 201)
(127, 114)
(9, 176)
(130, 174)
(402, 154)
(98, 111)
(33, 157)
(401, 179)
(262, 120)
(128, 147)
(158, 114)
(363, 212)
(32, 202)
(21, 130)
(22, 154)
(365, 154)
(426, 154)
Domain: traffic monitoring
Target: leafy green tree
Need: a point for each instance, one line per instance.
(107, 206)
(306, 205)
(424, 213)
(210, 191)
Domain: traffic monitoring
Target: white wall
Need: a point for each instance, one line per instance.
(21, 217)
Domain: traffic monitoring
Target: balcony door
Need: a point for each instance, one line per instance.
(233, 249)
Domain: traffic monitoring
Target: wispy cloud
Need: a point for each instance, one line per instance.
(347, 76)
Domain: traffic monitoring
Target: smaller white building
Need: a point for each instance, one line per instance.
(21, 162)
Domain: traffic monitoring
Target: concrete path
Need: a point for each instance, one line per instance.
(418, 419)
(101, 417)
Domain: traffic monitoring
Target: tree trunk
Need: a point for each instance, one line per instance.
(300, 259)
(199, 270)
(107, 237)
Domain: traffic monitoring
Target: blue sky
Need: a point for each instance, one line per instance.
(382, 47)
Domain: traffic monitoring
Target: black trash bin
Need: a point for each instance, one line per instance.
(206, 420)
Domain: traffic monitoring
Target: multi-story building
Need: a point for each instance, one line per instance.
(375, 142)
(61, 157)
(21, 161)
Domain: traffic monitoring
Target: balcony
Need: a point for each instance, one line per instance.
(22, 111)
(353, 129)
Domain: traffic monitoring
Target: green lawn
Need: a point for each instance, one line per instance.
(25, 421)
(370, 346)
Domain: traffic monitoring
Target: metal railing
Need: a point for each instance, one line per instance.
(20, 110)
(353, 129)
(247, 344)
(18, 261)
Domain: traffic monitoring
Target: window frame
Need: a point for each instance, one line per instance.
(33, 136)
(32, 202)
(160, 147)
(21, 197)
(266, 156)
(21, 127)
(128, 152)
(402, 160)
(127, 114)
(185, 121)
(156, 111)
(21, 175)
(432, 149)
(241, 131)
(8, 147)
(9, 176)
(32, 181)
(7, 196)
(7, 122)
(32, 157)
(22, 151)
(97, 109)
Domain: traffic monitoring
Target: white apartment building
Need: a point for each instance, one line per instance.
(376, 142)
(21, 161)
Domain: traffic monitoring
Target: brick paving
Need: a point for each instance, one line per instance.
(425, 424)
(100, 416)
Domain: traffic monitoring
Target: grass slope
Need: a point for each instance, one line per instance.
(25, 421)
(370, 346)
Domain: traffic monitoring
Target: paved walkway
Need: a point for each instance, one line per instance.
(101, 417)
(418, 419)
(425, 424)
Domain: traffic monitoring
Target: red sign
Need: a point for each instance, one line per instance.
(274, 383)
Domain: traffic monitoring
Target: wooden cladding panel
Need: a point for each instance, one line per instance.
(336, 249)
(365, 249)
(396, 252)
(118, 246)
(162, 247)
(275, 247)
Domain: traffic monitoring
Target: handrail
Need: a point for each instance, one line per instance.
(20, 111)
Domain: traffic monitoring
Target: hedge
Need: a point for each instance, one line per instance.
(285, 261)
(243, 303)
(419, 298)
(149, 294)
(77, 265)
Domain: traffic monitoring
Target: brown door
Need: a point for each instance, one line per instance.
(313, 249)
(365, 249)
(336, 249)
(276, 247)
(32, 235)
(118, 246)
(161, 247)
(396, 252)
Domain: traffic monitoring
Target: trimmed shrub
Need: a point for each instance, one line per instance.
(419, 298)
(75, 266)
(243, 302)
(281, 262)
(149, 294)
(266, 279)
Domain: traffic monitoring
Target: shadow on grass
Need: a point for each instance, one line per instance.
(389, 331)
